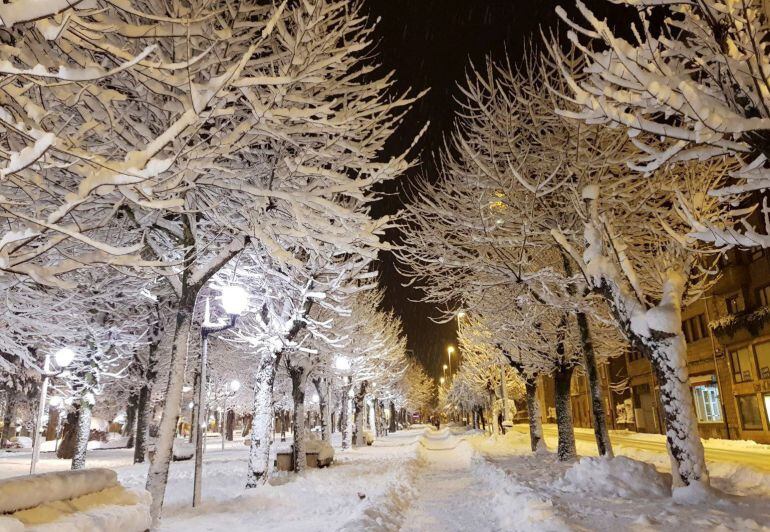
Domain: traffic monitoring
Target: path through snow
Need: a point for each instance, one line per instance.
(449, 495)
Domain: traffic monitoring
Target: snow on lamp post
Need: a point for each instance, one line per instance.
(234, 302)
(231, 389)
(63, 358)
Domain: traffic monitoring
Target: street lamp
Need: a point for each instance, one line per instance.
(461, 315)
(450, 350)
(234, 302)
(445, 368)
(63, 358)
(442, 380)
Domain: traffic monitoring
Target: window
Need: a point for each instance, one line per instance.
(694, 328)
(734, 303)
(763, 296)
(748, 406)
(707, 403)
(763, 359)
(767, 408)
(741, 360)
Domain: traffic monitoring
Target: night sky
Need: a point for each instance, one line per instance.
(430, 44)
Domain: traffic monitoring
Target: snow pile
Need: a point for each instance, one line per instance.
(18, 493)
(518, 507)
(323, 448)
(114, 508)
(618, 476)
(183, 450)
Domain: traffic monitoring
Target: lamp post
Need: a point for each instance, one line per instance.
(234, 302)
(450, 350)
(63, 358)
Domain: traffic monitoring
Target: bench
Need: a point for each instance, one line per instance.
(70, 501)
(319, 454)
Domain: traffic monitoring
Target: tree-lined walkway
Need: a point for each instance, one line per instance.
(450, 496)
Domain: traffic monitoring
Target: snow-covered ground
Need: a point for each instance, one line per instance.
(426, 480)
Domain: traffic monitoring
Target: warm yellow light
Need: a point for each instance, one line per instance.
(446, 367)
(461, 314)
(441, 380)
(450, 349)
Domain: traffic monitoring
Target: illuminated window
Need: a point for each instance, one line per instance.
(707, 403)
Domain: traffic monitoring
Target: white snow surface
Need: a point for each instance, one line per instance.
(19, 493)
(619, 476)
(424, 480)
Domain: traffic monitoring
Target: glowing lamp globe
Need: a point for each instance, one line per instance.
(64, 357)
(342, 363)
(234, 300)
(235, 386)
(441, 380)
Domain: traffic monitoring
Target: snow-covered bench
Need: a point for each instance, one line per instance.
(72, 501)
(319, 454)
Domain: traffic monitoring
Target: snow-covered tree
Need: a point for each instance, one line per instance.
(692, 86)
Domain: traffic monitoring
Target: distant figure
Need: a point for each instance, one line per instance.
(500, 422)
(437, 422)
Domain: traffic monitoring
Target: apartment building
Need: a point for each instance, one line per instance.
(728, 357)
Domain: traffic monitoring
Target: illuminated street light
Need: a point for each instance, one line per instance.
(234, 302)
(342, 363)
(64, 357)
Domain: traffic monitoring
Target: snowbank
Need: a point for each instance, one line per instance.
(618, 476)
(114, 508)
(518, 507)
(18, 493)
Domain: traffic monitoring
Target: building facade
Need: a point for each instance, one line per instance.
(728, 357)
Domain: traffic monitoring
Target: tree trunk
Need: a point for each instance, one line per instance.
(345, 416)
(157, 477)
(298, 377)
(669, 361)
(9, 419)
(66, 448)
(246, 425)
(602, 435)
(130, 426)
(142, 422)
(322, 389)
(262, 420)
(143, 406)
(230, 425)
(359, 414)
(53, 423)
(533, 413)
(562, 382)
(82, 434)
(393, 426)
